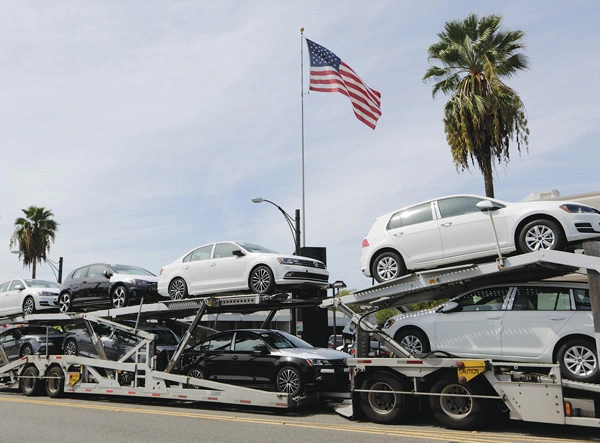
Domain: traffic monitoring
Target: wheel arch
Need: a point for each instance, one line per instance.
(531, 218)
(567, 338)
(381, 251)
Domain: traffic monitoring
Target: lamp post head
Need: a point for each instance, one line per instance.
(257, 200)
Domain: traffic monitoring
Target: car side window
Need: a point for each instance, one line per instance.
(13, 285)
(202, 253)
(542, 299)
(488, 299)
(97, 270)
(81, 272)
(247, 342)
(225, 250)
(411, 216)
(451, 207)
(221, 343)
(4, 286)
(582, 299)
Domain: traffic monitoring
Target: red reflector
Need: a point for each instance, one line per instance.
(283, 405)
(246, 402)
(109, 391)
(213, 398)
(365, 243)
(414, 362)
(365, 361)
(131, 392)
(182, 396)
(155, 395)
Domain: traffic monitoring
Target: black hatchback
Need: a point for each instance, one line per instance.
(267, 359)
(103, 284)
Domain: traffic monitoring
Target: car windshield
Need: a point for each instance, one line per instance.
(283, 340)
(250, 247)
(130, 270)
(41, 284)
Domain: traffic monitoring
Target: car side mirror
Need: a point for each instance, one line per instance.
(238, 253)
(260, 349)
(451, 306)
(488, 205)
(19, 287)
(107, 274)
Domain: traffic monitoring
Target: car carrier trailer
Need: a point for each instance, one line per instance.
(135, 373)
(464, 393)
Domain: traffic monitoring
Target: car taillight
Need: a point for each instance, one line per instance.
(365, 242)
(160, 273)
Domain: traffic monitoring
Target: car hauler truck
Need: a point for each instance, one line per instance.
(135, 373)
(463, 393)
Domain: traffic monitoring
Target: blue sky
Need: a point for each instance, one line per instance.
(148, 127)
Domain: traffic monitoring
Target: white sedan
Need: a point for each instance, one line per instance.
(27, 296)
(236, 266)
(455, 229)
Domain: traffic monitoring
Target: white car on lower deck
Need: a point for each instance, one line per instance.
(238, 266)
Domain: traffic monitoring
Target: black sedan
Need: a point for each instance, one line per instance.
(21, 341)
(116, 343)
(267, 359)
(103, 284)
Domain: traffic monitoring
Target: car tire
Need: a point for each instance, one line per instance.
(540, 235)
(70, 347)
(382, 407)
(413, 340)
(388, 266)
(578, 360)
(460, 408)
(195, 372)
(25, 350)
(29, 306)
(65, 302)
(30, 383)
(119, 297)
(289, 381)
(262, 280)
(55, 382)
(178, 289)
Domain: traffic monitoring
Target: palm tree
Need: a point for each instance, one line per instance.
(482, 115)
(33, 235)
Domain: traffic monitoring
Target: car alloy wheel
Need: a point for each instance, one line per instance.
(119, 297)
(64, 302)
(261, 280)
(578, 361)
(388, 266)
(28, 306)
(288, 381)
(540, 235)
(70, 347)
(177, 289)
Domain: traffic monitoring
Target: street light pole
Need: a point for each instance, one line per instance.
(293, 223)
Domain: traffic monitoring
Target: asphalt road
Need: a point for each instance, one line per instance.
(90, 419)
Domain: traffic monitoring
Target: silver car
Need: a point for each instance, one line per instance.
(546, 322)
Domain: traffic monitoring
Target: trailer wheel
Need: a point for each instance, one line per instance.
(55, 383)
(384, 407)
(30, 382)
(455, 408)
(578, 360)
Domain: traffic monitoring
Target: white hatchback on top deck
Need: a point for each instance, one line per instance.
(238, 266)
(454, 229)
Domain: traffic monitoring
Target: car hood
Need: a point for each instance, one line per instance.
(414, 314)
(329, 354)
(125, 277)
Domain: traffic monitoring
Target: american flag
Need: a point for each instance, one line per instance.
(328, 73)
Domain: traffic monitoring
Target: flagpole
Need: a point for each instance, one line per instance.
(302, 118)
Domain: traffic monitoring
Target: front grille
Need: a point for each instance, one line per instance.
(306, 276)
(340, 362)
(312, 264)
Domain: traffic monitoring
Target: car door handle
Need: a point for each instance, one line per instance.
(445, 225)
(398, 234)
(235, 357)
(557, 318)
(213, 264)
(494, 317)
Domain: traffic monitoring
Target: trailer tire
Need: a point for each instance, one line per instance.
(30, 383)
(55, 382)
(382, 407)
(462, 413)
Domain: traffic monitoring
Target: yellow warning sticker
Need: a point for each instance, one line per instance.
(470, 369)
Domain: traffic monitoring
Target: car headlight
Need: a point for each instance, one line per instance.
(288, 261)
(47, 294)
(135, 281)
(577, 209)
(317, 362)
